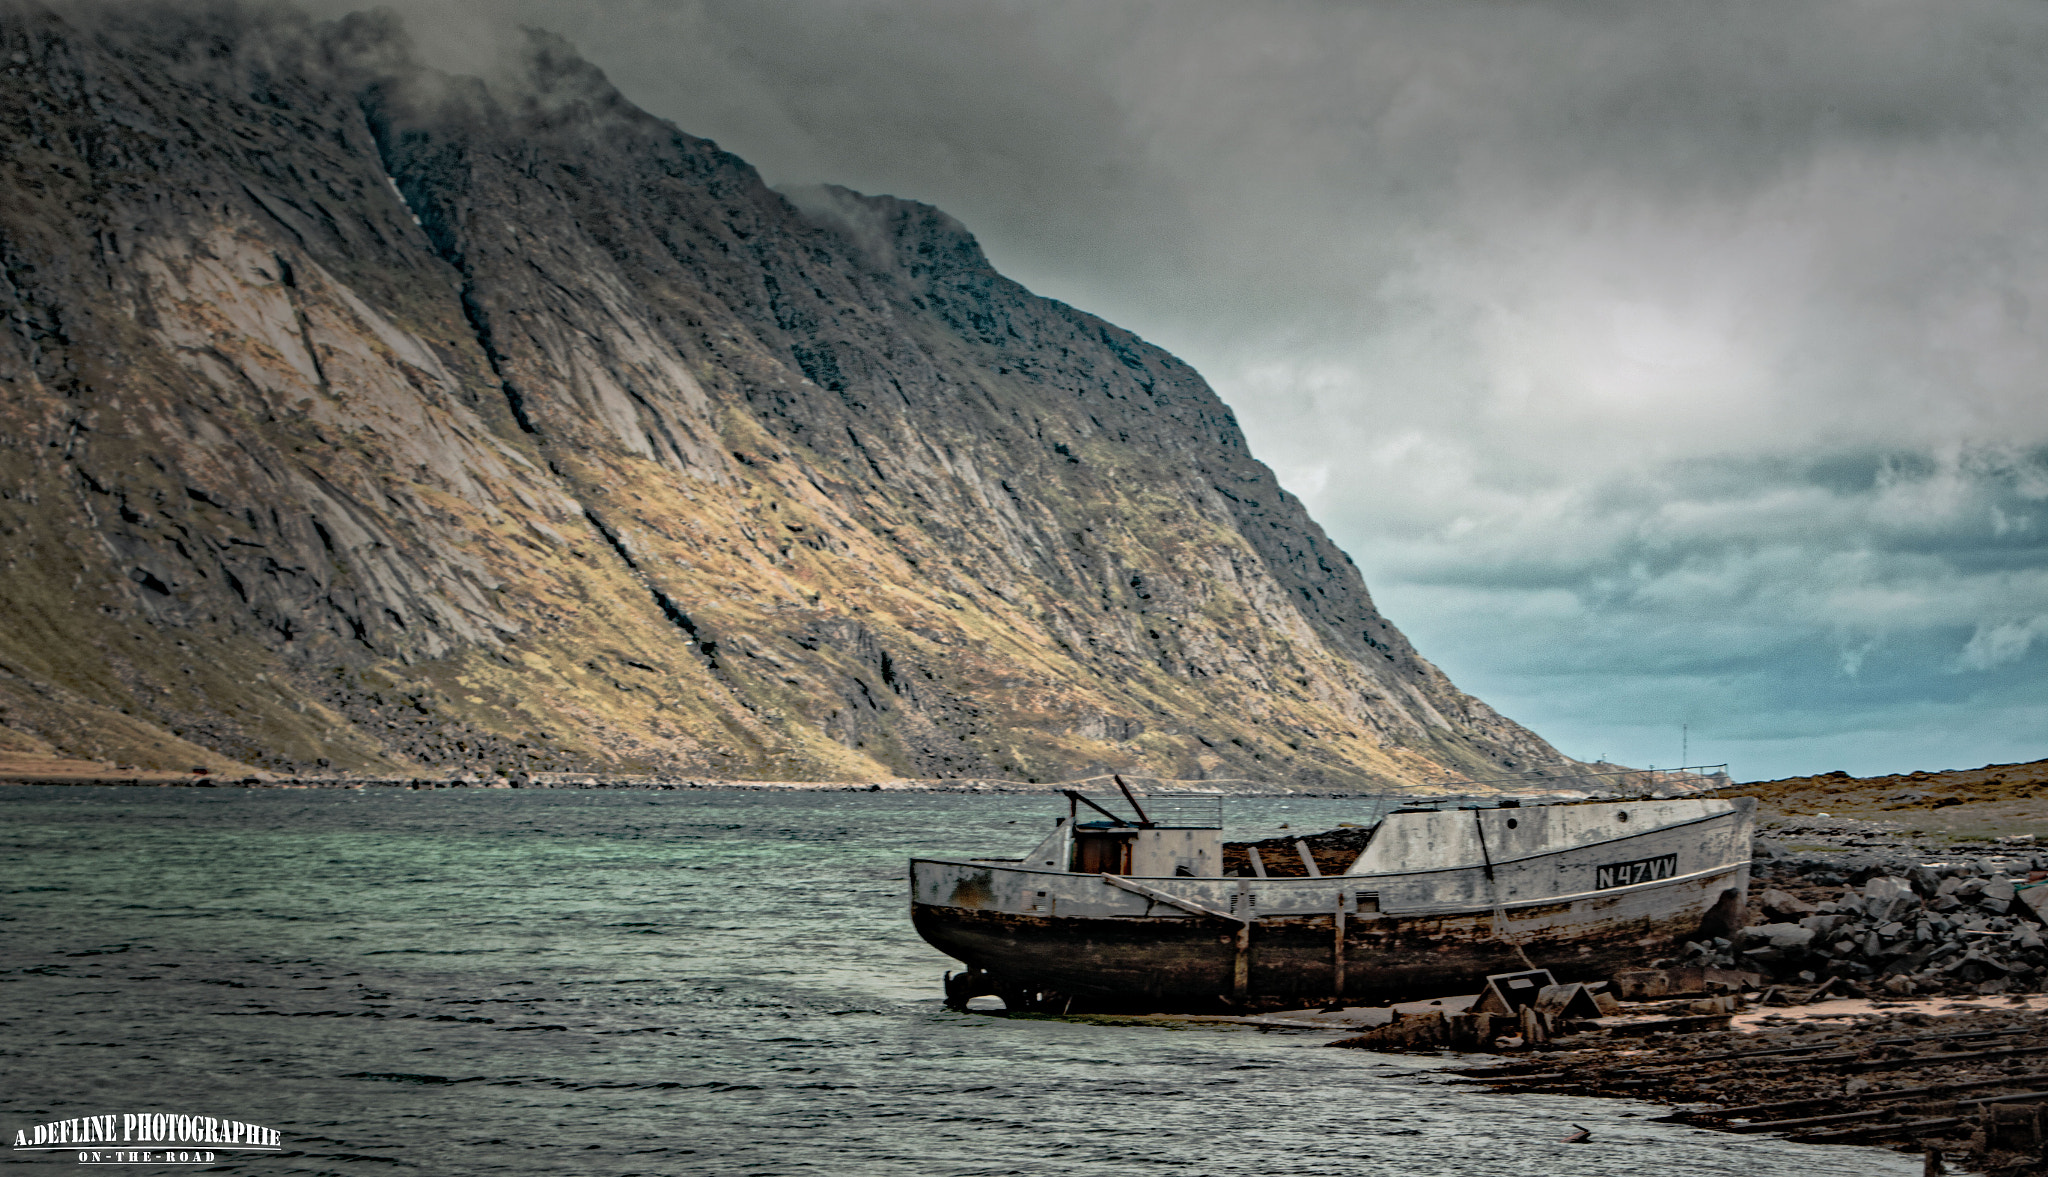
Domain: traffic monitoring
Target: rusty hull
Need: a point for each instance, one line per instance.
(1570, 896)
(1187, 965)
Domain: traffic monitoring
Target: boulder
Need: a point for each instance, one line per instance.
(1407, 1032)
(1784, 937)
(1784, 907)
(1886, 898)
(2033, 901)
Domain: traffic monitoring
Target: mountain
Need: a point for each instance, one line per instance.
(362, 417)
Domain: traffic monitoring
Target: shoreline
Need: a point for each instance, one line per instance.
(1146, 786)
(1019, 788)
(1964, 1077)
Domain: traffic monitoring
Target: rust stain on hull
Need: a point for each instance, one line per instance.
(1187, 965)
(1433, 901)
(974, 891)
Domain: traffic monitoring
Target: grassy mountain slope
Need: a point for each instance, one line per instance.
(362, 416)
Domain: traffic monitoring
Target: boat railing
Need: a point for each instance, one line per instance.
(1373, 807)
(1200, 811)
(1602, 781)
(1205, 810)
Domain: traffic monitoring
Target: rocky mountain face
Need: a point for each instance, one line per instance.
(360, 416)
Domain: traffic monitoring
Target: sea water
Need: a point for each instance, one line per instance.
(687, 982)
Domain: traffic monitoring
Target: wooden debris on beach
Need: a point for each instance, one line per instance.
(1967, 1080)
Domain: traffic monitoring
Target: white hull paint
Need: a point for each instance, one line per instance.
(1579, 889)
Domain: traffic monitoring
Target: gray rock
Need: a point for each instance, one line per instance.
(1783, 937)
(2034, 901)
(1785, 907)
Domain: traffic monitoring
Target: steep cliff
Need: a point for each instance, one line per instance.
(363, 416)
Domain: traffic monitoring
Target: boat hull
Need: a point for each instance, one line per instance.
(1190, 965)
(1068, 941)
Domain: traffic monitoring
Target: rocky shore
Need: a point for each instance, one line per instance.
(1965, 1079)
(1888, 990)
(1897, 927)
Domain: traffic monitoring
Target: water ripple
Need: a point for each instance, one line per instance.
(701, 982)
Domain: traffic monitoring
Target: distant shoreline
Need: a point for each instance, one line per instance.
(1147, 786)
(423, 784)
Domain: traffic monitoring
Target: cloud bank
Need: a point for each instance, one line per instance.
(1660, 363)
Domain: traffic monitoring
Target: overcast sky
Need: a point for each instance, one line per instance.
(1660, 363)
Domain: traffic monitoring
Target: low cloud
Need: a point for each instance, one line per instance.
(1996, 645)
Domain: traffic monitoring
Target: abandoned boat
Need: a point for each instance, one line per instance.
(1113, 913)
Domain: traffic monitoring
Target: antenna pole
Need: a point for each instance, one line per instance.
(1132, 798)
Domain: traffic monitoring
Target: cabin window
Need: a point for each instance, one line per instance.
(1368, 901)
(1512, 823)
(1622, 816)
